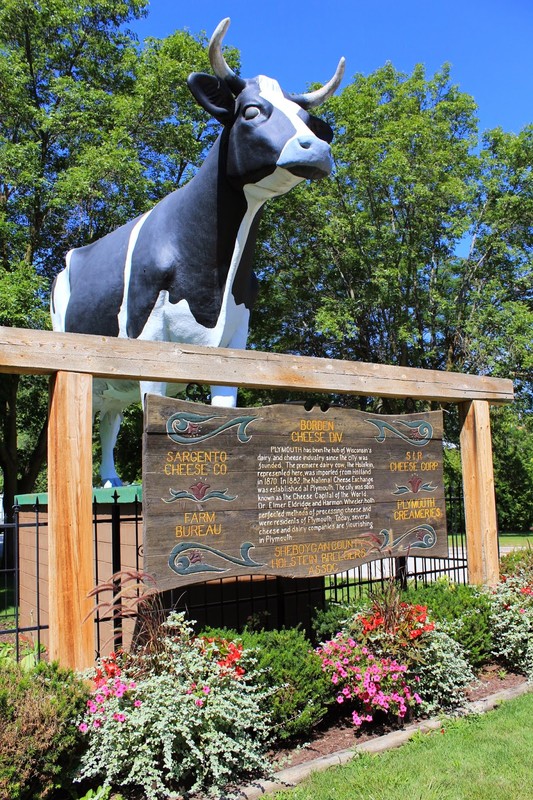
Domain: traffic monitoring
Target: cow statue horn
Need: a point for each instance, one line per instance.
(224, 72)
(319, 96)
(218, 62)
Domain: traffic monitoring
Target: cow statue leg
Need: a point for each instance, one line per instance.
(224, 396)
(110, 422)
(152, 387)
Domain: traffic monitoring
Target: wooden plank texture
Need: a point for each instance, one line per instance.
(479, 498)
(70, 571)
(27, 351)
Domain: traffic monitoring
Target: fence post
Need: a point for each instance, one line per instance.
(70, 566)
(479, 499)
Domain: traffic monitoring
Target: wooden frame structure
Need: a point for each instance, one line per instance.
(73, 359)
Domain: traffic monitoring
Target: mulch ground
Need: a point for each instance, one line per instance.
(336, 733)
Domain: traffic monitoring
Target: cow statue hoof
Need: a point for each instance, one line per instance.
(109, 483)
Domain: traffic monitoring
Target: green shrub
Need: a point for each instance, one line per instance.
(518, 562)
(511, 604)
(443, 672)
(463, 613)
(184, 716)
(289, 668)
(39, 743)
(328, 621)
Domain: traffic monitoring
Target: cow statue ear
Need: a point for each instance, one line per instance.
(213, 95)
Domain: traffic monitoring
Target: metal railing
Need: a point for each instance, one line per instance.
(262, 601)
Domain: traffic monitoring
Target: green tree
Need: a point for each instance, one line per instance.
(417, 252)
(93, 131)
(363, 254)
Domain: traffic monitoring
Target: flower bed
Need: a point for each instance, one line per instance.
(184, 712)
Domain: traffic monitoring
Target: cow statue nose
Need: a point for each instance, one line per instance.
(306, 156)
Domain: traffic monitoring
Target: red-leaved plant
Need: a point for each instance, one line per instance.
(392, 627)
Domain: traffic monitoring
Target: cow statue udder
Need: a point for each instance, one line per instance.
(182, 271)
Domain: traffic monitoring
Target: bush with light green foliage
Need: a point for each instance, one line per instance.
(512, 620)
(444, 673)
(182, 717)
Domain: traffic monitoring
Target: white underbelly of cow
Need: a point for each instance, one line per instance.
(174, 322)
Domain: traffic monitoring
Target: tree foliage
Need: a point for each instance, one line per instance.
(408, 255)
(417, 252)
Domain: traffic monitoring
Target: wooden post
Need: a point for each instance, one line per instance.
(479, 499)
(70, 568)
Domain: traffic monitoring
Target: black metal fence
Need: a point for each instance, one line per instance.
(17, 638)
(261, 601)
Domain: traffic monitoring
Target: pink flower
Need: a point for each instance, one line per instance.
(137, 704)
(120, 689)
(522, 610)
(83, 727)
(100, 698)
(206, 690)
(340, 699)
(97, 723)
(119, 717)
(199, 702)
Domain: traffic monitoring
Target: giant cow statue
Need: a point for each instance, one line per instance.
(182, 272)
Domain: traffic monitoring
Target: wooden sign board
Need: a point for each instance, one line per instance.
(283, 491)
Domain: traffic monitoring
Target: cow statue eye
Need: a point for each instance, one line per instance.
(251, 112)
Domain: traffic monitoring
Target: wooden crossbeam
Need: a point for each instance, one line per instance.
(72, 360)
(44, 352)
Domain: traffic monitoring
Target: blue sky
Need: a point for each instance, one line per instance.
(488, 44)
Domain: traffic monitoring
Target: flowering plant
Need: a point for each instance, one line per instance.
(409, 622)
(402, 633)
(186, 718)
(369, 683)
(227, 654)
(392, 627)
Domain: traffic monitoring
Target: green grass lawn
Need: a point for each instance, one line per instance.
(486, 757)
(515, 539)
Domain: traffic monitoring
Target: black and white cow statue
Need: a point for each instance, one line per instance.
(182, 272)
